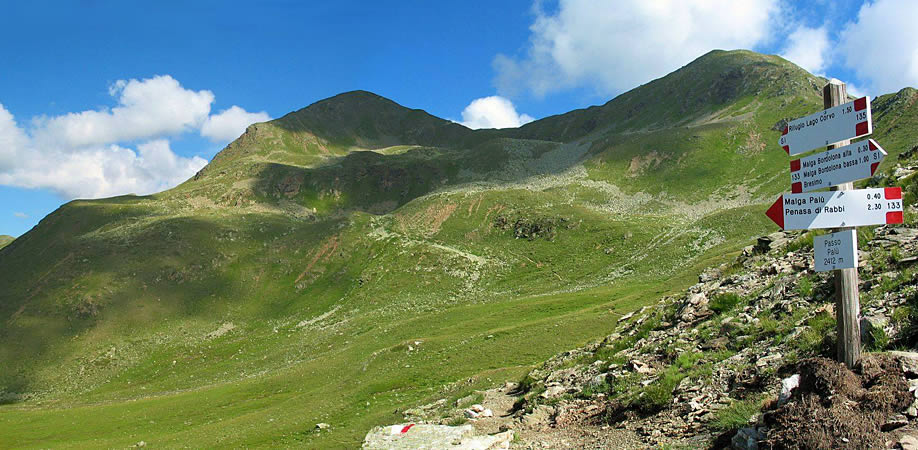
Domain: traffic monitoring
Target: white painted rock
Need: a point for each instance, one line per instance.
(429, 437)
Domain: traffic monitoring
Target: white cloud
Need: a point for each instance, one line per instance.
(20, 215)
(808, 48)
(122, 150)
(230, 123)
(103, 171)
(493, 112)
(615, 46)
(11, 139)
(881, 46)
(153, 107)
(88, 171)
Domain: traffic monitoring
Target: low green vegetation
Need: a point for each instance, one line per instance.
(736, 415)
(724, 302)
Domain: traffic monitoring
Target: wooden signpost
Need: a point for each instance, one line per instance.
(842, 209)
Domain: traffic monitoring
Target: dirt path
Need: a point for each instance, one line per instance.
(541, 433)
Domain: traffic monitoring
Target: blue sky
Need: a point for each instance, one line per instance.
(101, 98)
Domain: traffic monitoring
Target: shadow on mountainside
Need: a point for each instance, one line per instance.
(378, 183)
(93, 269)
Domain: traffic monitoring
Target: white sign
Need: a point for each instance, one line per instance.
(836, 251)
(827, 127)
(837, 209)
(841, 165)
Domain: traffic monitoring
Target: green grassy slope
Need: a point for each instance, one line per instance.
(5, 240)
(355, 258)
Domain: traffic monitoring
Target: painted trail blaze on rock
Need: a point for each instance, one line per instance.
(847, 121)
(859, 207)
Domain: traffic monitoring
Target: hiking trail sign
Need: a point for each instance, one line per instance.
(836, 209)
(847, 121)
(835, 251)
(844, 207)
(840, 165)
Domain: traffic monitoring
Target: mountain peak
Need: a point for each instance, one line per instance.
(367, 120)
(697, 90)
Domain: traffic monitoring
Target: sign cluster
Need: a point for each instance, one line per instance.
(805, 209)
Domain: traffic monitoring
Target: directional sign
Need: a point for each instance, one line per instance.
(841, 165)
(827, 127)
(836, 251)
(837, 209)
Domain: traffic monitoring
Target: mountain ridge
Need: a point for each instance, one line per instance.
(404, 269)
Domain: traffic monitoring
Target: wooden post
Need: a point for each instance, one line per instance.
(847, 301)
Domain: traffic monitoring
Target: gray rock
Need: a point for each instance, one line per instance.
(767, 360)
(902, 172)
(902, 235)
(771, 242)
(908, 442)
(709, 275)
(540, 417)
(641, 367)
(787, 388)
(428, 437)
(908, 362)
(895, 421)
(554, 391)
(597, 380)
(746, 439)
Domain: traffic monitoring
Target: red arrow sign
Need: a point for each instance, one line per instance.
(837, 209)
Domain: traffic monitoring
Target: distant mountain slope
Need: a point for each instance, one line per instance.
(5, 240)
(356, 256)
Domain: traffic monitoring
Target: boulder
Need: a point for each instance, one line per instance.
(908, 442)
(771, 242)
(787, 388)
(423, 436)
(540, 417)
(908, 362)
(870, 327)
(746, 439)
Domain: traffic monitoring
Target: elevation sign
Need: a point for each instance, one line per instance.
(841, 165)
(827, 127)
(836, 209)
(836, 251)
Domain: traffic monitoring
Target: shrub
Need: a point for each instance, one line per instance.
(736, 415)
(879, 340)
(724, 302)
(805, 287)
